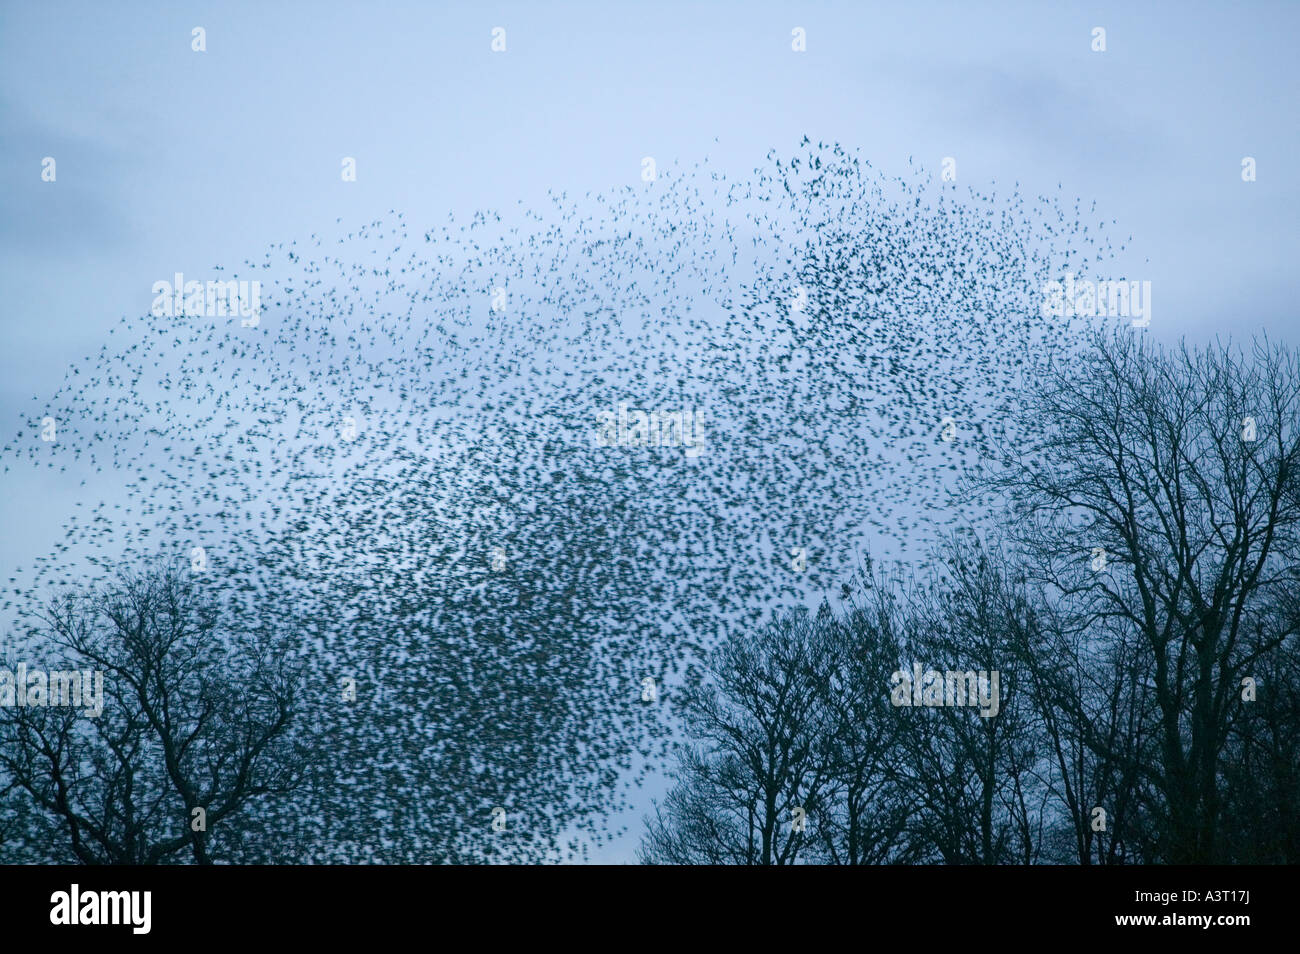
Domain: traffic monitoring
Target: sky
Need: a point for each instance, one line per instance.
(171, 160)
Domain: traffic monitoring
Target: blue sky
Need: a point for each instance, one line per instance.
(171, 160)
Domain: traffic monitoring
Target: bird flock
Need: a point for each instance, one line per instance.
(400, 462)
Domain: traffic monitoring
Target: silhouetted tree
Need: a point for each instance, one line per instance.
(193, 731)
(752, 786)
(1178, 468)
(971, 774)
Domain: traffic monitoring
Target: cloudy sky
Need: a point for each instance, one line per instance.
(171, 160)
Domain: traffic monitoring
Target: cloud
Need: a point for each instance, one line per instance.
(81, 210)
(1035, 111)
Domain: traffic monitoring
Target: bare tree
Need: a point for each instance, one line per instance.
(974, 771)
(866, 813)
(1077, 686)
(791, 738)
(752, 787)
(193, 730)
(1154, 493)
(1261, 780)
